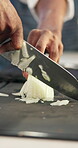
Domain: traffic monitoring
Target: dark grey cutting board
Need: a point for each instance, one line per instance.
(53, 122)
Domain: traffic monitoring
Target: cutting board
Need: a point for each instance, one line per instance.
(37, 120)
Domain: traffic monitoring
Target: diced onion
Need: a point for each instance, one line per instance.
(4, 95)
(60, 103)
(44, 74)
(29, 70)
(35, 88)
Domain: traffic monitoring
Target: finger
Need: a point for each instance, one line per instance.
(42, 43)
(58, 60)
(17, 38)
(60, 47)
(53, 53)
(15, 43)
(34, 36)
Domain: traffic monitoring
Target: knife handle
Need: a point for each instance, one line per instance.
(5, 42)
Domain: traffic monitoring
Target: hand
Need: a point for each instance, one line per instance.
(47, 41)
(10, 27)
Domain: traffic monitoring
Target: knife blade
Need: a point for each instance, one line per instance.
(44, 69)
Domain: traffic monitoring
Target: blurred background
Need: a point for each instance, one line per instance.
(70, 30)
(70, 40)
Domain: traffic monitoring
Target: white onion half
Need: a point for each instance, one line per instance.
(35, 88)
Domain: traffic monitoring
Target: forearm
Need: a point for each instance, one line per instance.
(47, 37)
(51, 14)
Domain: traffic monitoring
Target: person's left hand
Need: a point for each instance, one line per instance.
(47, 41)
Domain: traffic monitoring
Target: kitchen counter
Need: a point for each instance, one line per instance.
(11, 142)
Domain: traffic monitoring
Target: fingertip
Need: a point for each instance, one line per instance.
(33, 37)
(54, 56)
(16, 45)
(40, 48)
(17, 39)
(25, 74)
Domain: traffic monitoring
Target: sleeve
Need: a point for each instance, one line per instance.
(70, 10)
(69, 14)
(32, 8)
(32, 4)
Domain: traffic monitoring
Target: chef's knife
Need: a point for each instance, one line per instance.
(44, 69)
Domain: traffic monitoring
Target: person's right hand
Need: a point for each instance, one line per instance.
(10, 27)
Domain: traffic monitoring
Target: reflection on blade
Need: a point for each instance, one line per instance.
(32, 134)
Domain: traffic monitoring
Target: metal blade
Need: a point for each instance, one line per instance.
(47, 71)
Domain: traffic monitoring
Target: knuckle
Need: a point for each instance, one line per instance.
(15, 25)
(32, 35)
(33, 32)
(54, 37)
(47, 31)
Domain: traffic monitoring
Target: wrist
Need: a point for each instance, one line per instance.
(55, 30)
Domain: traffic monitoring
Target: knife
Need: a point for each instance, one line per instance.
(44, 69)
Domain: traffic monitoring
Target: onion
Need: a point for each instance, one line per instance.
(24, 63)
(15, 56)
(44, 74)
(35, 88)
(4, 95)
(60, 103)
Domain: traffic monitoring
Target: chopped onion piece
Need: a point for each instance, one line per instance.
(44, 74)
(3, 95)
(42, 101)
(31, 48)
(29, 70)
(16, 94)
(40, 66)
(17, 98)
(24, 63)
(24, 50)
(30, 100)
(15, 57)
(60, 103)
